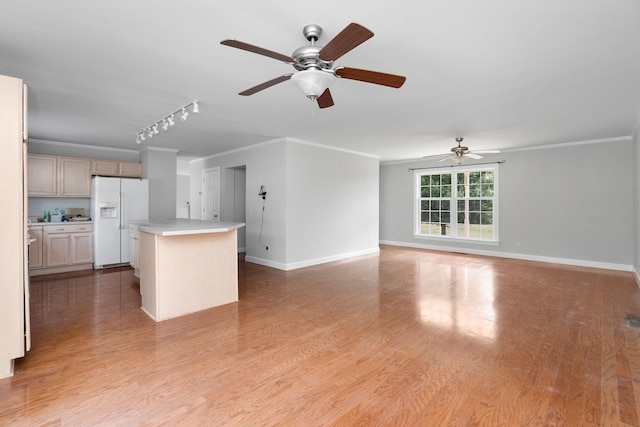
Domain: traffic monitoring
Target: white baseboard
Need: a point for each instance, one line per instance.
(524, 257)
(265, 262)
(311, 262)
(637, 276)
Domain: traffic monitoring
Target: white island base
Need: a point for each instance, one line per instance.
(185, 273)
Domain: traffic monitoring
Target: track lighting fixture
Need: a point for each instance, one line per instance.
(167, 122)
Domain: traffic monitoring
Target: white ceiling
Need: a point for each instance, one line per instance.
(501, 73)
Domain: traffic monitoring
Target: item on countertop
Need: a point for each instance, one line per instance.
(47, 216)
(56, 216)
(71, 212)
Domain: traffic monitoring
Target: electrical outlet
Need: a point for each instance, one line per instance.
(518, 244)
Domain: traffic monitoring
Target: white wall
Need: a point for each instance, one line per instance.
(572, 204)
(265, 165)
(160, 166)
(332, 203)
(636, 198)
(301, 227)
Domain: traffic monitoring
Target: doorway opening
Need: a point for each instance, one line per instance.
(238, 176)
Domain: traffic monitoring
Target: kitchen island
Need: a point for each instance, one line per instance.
(186, 265)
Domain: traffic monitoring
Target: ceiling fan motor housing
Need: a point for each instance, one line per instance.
(460, 150)
(306, 57)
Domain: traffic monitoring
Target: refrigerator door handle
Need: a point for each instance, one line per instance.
(122, 199)
(119, 210)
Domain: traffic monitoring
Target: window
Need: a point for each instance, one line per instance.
(461, 204)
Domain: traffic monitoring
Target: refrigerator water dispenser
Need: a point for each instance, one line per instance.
(108, 210)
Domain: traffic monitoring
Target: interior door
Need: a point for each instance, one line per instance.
(211, 194)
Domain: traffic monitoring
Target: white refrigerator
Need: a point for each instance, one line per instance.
(115, 202)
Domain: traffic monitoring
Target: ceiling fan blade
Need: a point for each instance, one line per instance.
(325, 100)
(265, 85)
(446, 158)
(486, 151)
(352, 36)
(259, 50)
(473, 156)
(435, 155)
(367, 76)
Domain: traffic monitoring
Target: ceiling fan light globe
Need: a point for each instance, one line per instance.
(313, 82)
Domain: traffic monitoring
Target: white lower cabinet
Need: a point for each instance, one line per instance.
(65, 247)
(134, 249)
(58, 248)
(81, 248)
(35, 248)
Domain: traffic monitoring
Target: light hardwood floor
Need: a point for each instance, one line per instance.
(409, 337)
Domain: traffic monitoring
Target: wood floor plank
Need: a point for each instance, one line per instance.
(626, 396)
(592, 402)
(610, 403)
(633, 352)
(406, 337)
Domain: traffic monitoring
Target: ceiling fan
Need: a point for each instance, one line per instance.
(460, 152)
(314, 64)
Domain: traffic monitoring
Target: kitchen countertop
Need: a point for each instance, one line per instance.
(32, 224)
(183, 226)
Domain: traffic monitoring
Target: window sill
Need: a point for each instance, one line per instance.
(457, 240)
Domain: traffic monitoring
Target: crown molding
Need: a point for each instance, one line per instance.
(72, 144)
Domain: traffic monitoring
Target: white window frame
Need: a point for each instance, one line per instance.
(418, 173)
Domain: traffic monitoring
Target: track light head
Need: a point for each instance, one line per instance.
(167, 122)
